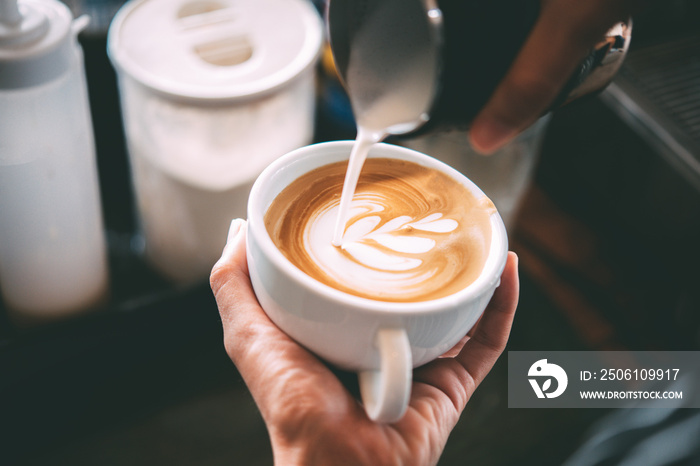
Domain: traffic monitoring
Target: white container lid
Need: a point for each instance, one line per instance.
(215, 50)
(36, 41)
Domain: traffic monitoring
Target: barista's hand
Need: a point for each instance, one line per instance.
(564, 34)
(311, 417)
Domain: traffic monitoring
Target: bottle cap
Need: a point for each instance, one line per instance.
(215, 50)
(36, 41)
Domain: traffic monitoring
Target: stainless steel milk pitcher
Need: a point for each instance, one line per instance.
(447, 55)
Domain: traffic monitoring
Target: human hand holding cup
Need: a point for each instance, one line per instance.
(382, 340)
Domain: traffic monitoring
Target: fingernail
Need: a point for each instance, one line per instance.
(490, 135)
(234, 230)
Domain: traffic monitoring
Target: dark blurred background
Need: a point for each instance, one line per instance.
(607, 232)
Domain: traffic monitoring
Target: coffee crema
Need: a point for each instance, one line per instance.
(414, 233)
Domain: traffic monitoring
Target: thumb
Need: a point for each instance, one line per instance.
(229, 277)
(234, 250)
(243, 320)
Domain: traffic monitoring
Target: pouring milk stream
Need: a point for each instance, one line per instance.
(381, 107)
(390, 93)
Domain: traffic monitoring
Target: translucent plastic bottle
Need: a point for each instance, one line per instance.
(52, 245)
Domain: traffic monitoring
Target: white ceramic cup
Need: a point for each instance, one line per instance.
(382, 341)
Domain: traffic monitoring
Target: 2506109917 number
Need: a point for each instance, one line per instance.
(639, 374)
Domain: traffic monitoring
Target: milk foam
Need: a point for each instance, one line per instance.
(375, 256)
(412, 233)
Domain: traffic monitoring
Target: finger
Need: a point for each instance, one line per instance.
(564, 34)
(241, 315)
(230, 282)
(458, 377)
(270, 362)
(454, 351)
(470, 333)
(249, 335)
(482, 350)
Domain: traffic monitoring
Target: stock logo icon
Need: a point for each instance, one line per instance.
(540, 376)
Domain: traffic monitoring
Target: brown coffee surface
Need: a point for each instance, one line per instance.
(414, 233)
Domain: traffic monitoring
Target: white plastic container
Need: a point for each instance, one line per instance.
(212, 91)
(53, 257)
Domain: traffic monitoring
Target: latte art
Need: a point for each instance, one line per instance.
(413, 234)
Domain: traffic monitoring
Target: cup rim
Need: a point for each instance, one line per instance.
(334, 151)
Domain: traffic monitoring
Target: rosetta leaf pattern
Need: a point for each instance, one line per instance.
(362, 236)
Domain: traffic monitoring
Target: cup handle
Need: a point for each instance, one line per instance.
(385, 392)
